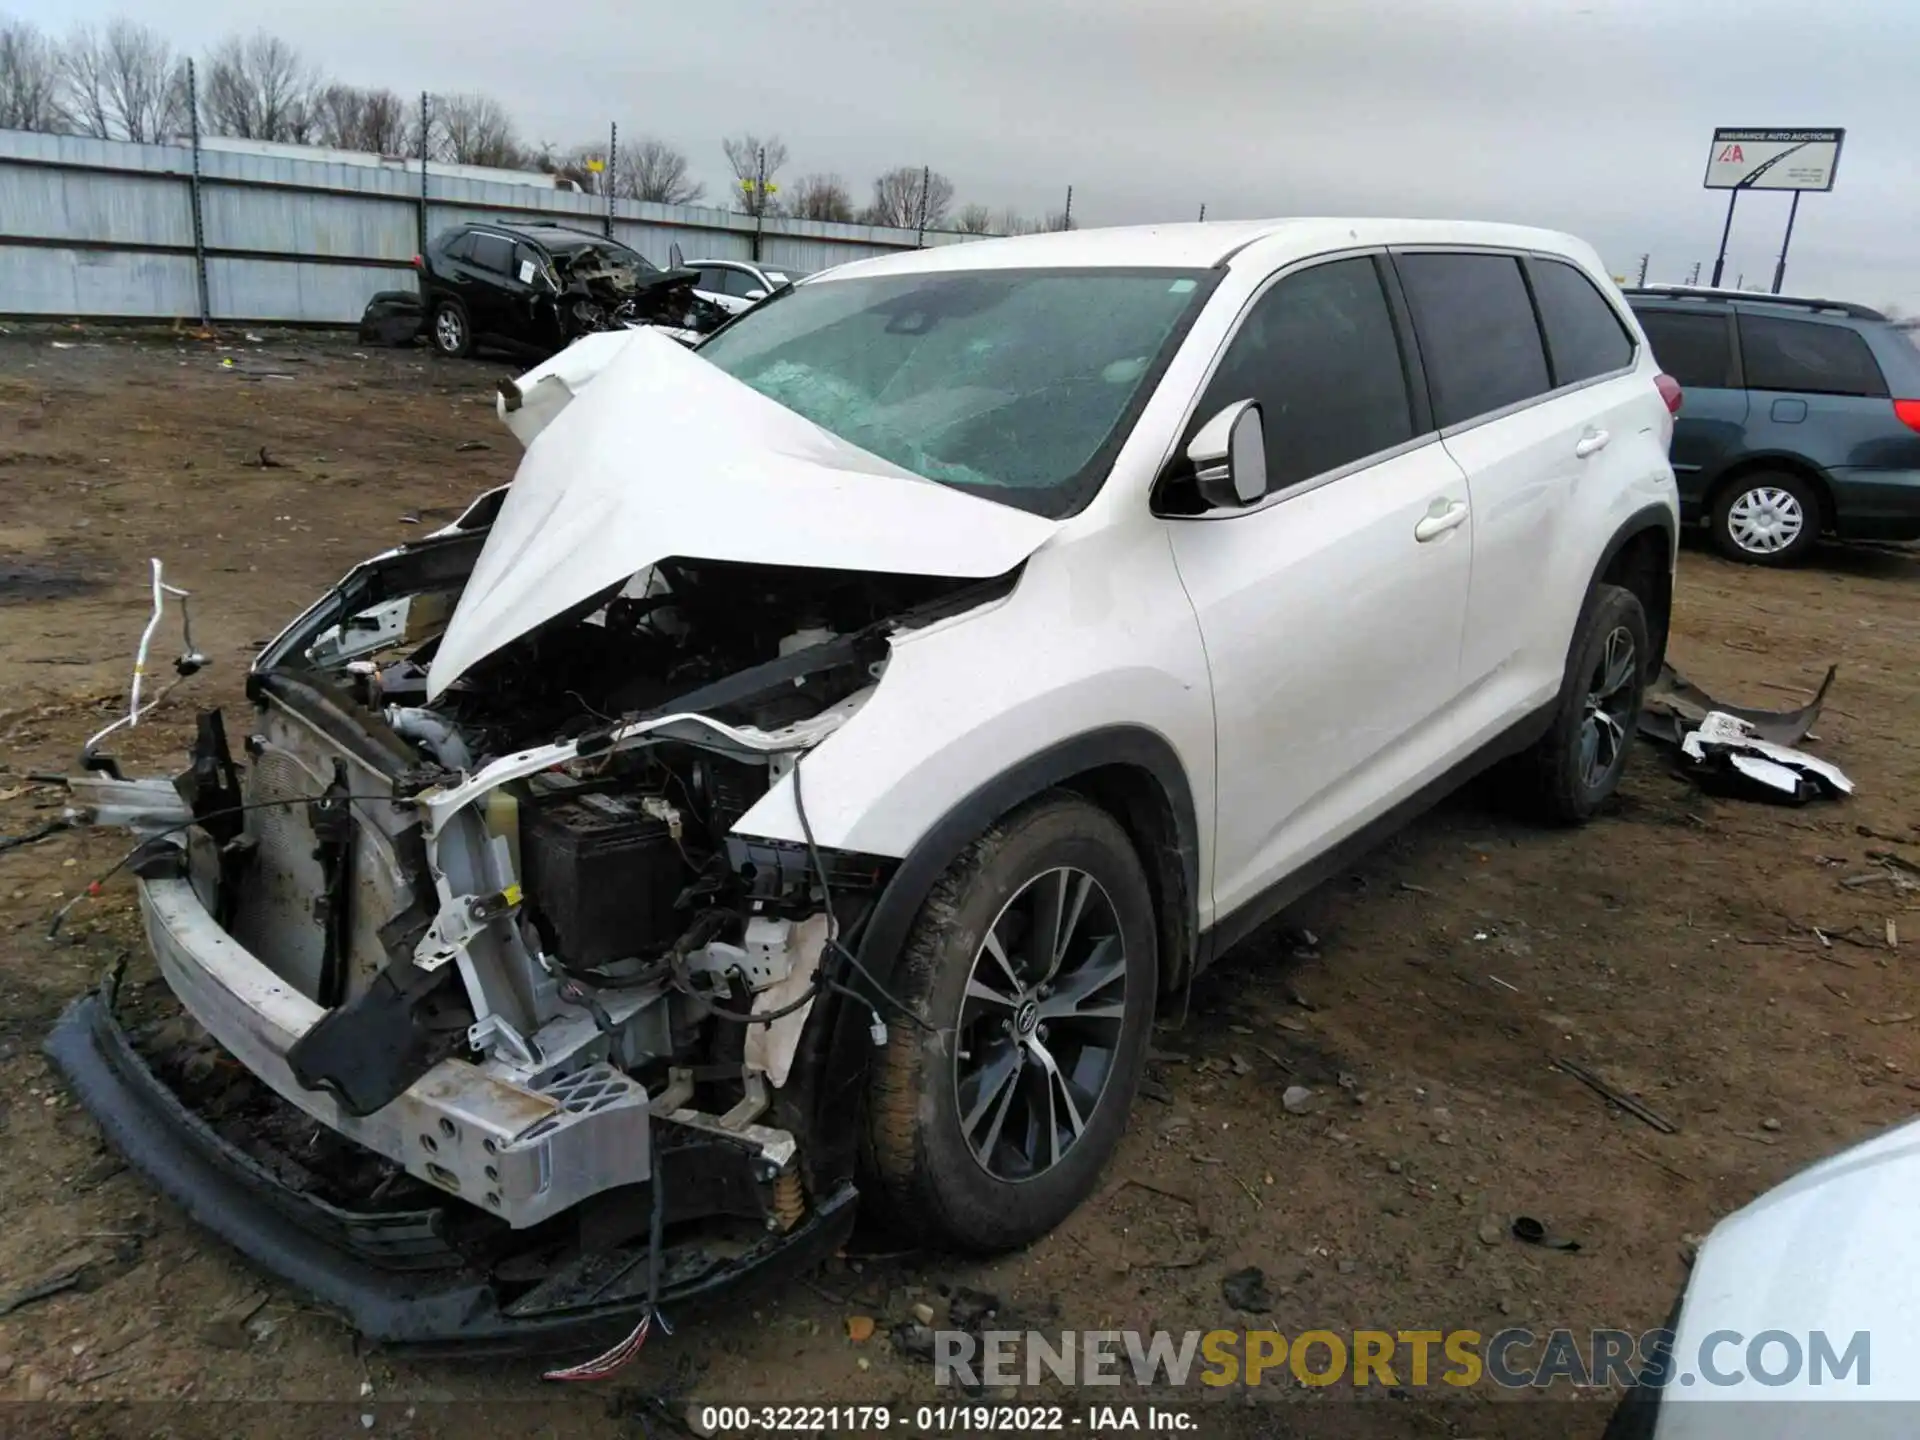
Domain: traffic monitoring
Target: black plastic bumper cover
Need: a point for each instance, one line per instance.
(448, 1312)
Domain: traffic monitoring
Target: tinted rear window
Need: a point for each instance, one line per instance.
(1694, 349)
(1584, 335)
(1802, 355)
(1478, 338)
(493, 252)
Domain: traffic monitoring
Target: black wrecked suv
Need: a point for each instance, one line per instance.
(536, 289)
(1802, 418)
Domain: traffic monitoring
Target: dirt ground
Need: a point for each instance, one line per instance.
(1706, 956)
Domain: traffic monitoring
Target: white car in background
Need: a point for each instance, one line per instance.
(802, 785)
(736, 285)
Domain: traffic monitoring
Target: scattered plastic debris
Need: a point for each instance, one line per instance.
(1728, 752)
(1674, 705)
(1738, 751)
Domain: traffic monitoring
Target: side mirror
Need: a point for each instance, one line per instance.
(756, 294)
(1229, 456)
(674, 258)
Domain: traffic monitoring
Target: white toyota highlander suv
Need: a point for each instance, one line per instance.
(806, 779)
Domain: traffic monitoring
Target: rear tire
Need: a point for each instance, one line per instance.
(1767, 518)
(1575, 767)
(452, 332)
(990, 1127)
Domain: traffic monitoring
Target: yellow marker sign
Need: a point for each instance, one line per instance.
(596, 166)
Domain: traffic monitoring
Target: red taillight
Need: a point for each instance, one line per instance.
(1908, 412)
(418, 263)
(1669, 389)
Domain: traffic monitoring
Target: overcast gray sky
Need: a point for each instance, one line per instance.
(1588, 115)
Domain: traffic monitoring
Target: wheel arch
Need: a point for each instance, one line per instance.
(1129, 771)
(1640, 557)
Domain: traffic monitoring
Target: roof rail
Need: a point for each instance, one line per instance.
(542, 223)
(1752, 297)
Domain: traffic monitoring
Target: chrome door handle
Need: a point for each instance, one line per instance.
(1434, 526)
(1591, 443)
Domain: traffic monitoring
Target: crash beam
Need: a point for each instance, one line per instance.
(524, 1153)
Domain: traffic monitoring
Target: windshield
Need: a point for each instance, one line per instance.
(601, 255)
(1017, 385)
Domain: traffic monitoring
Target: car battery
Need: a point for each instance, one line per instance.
(600, 876)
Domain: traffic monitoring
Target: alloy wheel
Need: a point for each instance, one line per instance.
(1040, 1024)
(1766, 520)
(1608, 717)
(448, 330)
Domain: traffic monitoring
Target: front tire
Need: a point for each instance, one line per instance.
(1576, 766)
(452, 331)
(1767, 519)
(1033, 964)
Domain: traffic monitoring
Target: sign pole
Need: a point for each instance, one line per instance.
(1720, 260)
(1780, 269)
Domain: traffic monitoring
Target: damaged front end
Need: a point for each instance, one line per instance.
(606, 288)
(508, 986)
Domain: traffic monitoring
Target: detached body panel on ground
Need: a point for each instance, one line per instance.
(811, 773)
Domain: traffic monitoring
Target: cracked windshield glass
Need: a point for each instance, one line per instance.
(1004, 383)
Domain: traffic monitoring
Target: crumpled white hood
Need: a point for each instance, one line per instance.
(660, 455)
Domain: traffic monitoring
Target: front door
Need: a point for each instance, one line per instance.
(1332, 610)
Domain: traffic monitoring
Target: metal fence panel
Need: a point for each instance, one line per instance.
(297, 234)
(41, 202)
(297, 292)
(41, 280)
(295, 222)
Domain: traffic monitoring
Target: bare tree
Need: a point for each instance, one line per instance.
(974, 220)
(476, 130)
(29, 79)
(349, 118)
(653, 170)
(821, 197)
(259, 88)
(123, 83)
(83, 83)
(897, 199)
(755, 160)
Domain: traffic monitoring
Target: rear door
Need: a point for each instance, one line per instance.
(1331, 610)
(1816, 391)
(1696, 348)
(486, 296)
(1527, 442)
